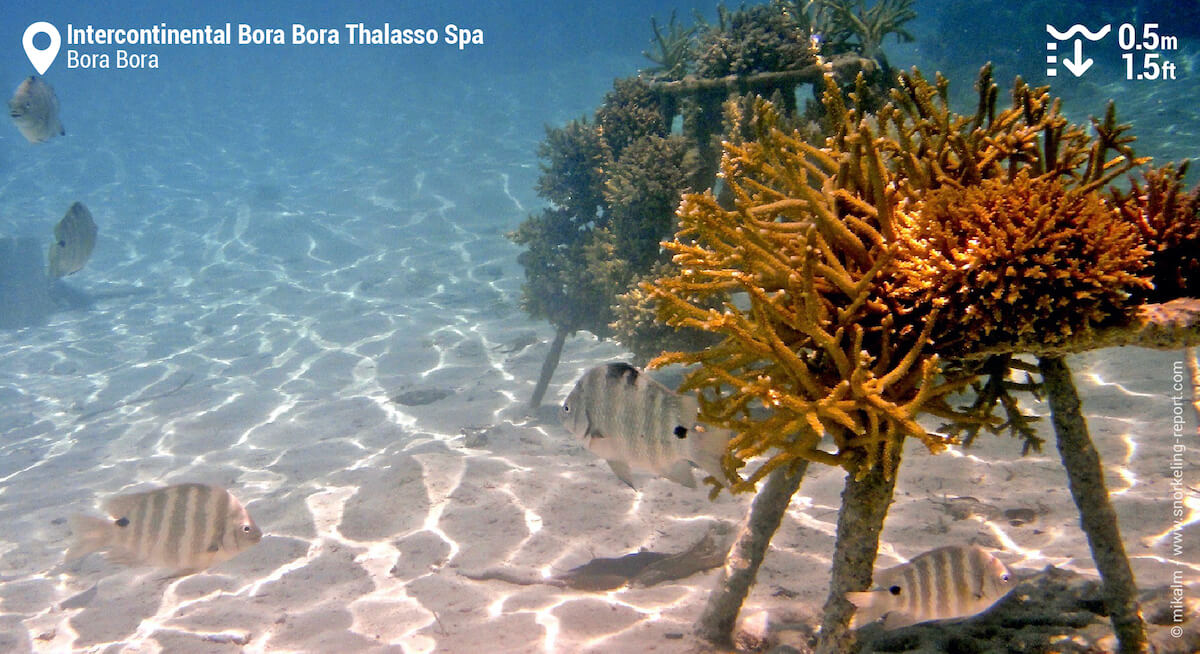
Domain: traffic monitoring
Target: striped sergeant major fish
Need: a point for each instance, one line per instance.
(185, 527)
(635, 423)
(942, 584)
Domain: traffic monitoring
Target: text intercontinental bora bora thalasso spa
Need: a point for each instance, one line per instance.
(355, 34)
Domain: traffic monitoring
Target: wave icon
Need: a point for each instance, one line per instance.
(1079, 29)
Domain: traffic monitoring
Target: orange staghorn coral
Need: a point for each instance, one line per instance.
(1013, 260)
(812, 339)
(913, 232)
(931, 146)
(1168, 218)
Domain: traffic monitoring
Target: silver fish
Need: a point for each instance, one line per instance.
(34, 108)
(946, 583)
(633, 422)
(185, 527)
(74, 240)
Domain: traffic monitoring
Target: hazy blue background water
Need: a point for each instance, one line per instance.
(541, 64)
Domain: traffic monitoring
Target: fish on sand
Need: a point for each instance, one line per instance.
(642, 568)
(946, 583)
(74, 240)
(184, 527)
(635, 423)
(34, 108)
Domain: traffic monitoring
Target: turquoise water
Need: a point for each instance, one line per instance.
(291, 236)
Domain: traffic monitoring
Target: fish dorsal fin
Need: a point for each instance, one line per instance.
(620, 370)
(121, 506)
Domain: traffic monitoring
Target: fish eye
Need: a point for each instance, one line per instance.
(895, 590)
(245, 529)
(566, 408)
(1004, 578)
(122, 522)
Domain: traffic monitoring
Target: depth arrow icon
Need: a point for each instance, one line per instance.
(1080, 65)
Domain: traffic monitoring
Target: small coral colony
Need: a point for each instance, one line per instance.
(830, 274)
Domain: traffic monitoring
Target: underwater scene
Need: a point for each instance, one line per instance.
(617, 327)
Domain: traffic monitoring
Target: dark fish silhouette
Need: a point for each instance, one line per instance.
(74, 239)
(34, 108)
(638, 569)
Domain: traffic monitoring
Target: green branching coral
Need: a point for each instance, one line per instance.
(629, 112)
(613, 185)
(673, 56)
(558, 285)
(757, 39)
(850, 23)
(571, 160)
(641, 191)
(1008, 261)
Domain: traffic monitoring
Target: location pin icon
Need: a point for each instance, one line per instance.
(41, 59)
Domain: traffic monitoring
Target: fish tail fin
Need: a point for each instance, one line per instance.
(708, 450)
(867, 606)
(88, 535)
